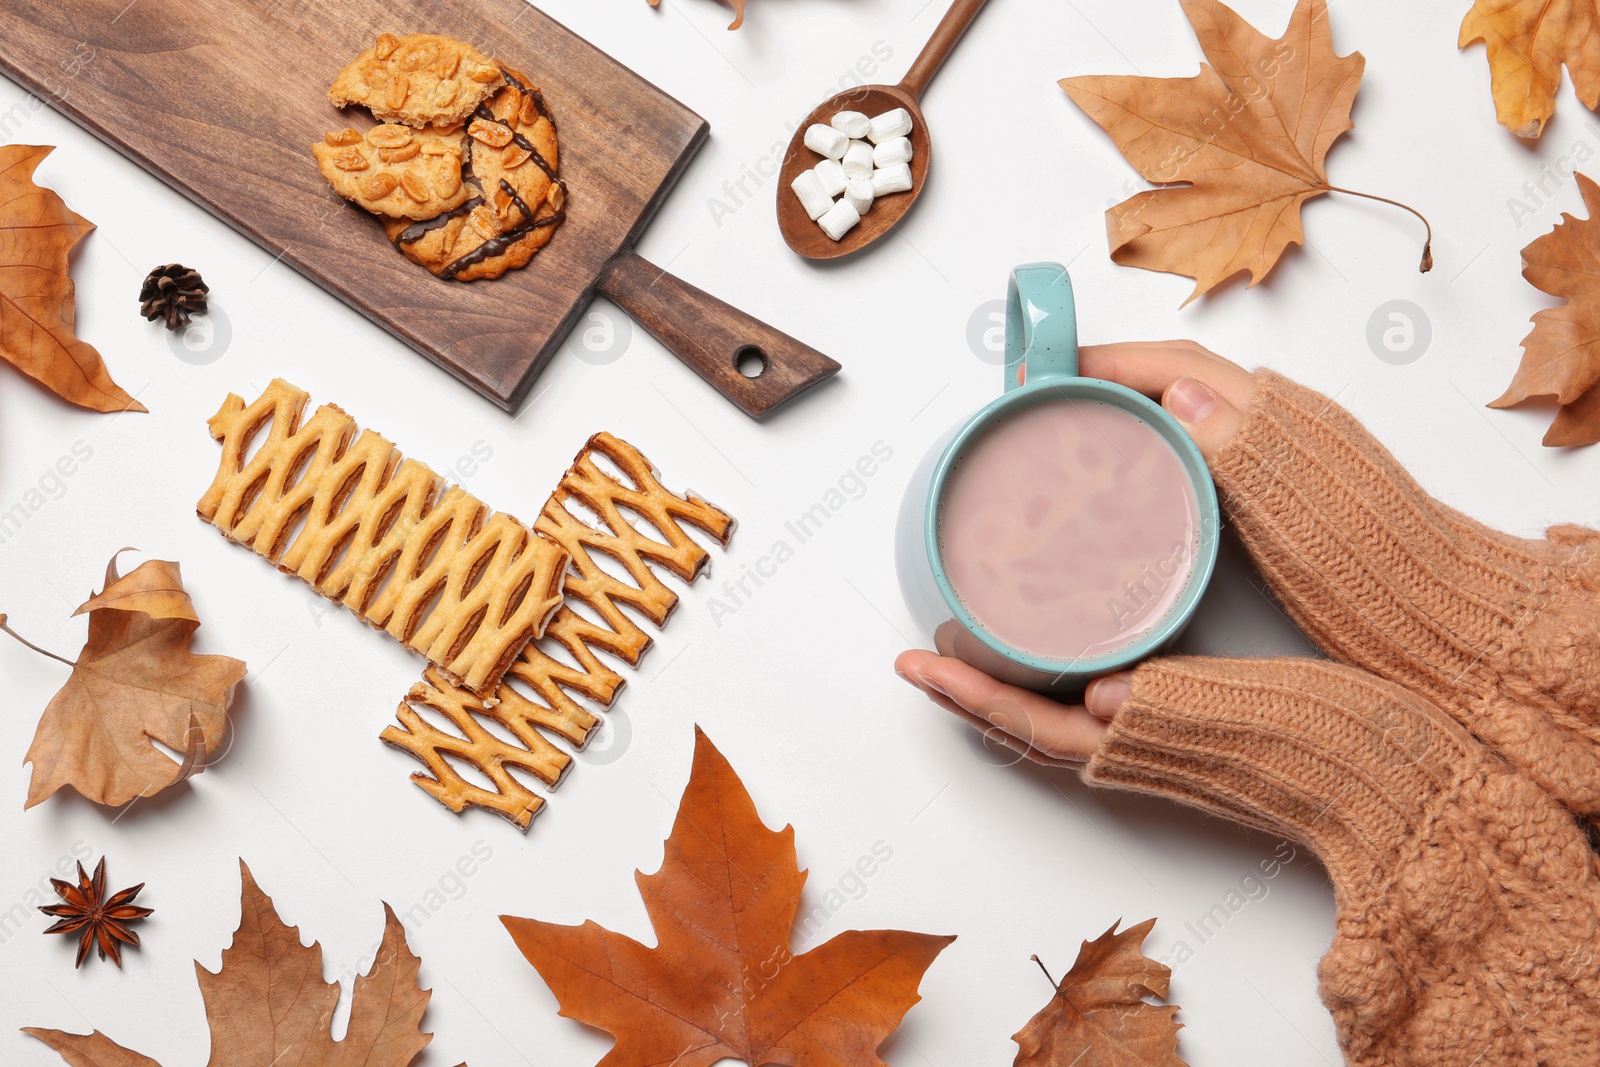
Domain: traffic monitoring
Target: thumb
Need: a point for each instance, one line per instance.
(1210, 419)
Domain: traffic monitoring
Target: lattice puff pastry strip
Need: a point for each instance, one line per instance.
(586, 487)
(382, 535)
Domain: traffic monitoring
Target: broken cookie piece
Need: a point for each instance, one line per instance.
(421, 79)
(396, 171)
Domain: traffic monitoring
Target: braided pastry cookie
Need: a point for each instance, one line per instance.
(385, 536)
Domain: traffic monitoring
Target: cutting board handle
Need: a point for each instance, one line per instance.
(712, 337)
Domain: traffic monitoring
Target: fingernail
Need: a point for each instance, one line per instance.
(1106, 696)
(928, 681)
(1191, 400)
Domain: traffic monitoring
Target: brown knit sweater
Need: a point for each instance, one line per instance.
(1441, 768)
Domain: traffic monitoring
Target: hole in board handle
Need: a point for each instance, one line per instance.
(750, 361)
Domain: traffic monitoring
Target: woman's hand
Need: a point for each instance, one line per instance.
(1029, 724)
(1208, 396)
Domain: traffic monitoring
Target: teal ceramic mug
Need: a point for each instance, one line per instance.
(1041, 366)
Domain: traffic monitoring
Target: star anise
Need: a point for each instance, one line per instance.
(96, 920)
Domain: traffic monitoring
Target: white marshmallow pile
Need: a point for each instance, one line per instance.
(863, 159)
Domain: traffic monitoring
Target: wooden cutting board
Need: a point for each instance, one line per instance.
(223, 98)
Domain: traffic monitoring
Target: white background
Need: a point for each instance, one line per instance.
(795, 685)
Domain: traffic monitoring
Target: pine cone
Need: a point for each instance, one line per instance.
(173, 292)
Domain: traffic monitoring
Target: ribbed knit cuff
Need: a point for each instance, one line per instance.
(1502, 632)
(1347, 763)
(1377, 572)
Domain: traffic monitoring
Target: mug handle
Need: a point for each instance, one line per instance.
(1041, 325)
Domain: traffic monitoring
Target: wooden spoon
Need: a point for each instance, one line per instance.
(799, 231)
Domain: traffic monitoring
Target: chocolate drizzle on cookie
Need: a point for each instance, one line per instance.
(495, 246)
(533, 153)
(418, 230)
(516, 198)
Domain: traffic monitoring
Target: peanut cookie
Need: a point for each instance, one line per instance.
(518, 199)
(396, 171)
(421, 79)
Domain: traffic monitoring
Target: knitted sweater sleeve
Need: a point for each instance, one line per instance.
(1468, 900)
(1502, 632)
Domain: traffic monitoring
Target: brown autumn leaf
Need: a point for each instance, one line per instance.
(268, 1003)
(721, 982)
(1247, 137)
(37, 312)
(1098, 1017)
(134, 681)
(738, 12)
(1527, 41)
(1561, 356)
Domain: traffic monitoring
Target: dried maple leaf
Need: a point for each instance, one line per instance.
(1527, 41)
(1248, 135)
(738, 12)
(134, 681)
(721, 982)
(268, 1004)
(1098, 1017)
(1561, 356)
(37, 231)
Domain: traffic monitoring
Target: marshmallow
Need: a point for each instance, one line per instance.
(831, 173)
(852, 124)
(813, 197)
(826, 141)
(858, 160)
(895, 179)
(839, 220)
(888, 153)
(858, 194)
(889, 125)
